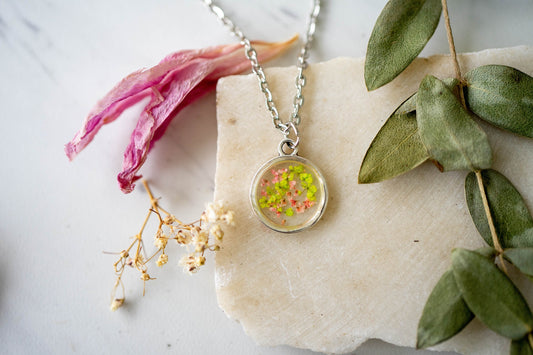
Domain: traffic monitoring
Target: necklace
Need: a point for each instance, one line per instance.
(288, 193)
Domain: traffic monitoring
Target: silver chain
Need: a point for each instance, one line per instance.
(251, 54)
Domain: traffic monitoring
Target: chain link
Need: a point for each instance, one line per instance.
(251, 54)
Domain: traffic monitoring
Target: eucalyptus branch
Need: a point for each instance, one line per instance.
(482, 191)
(436, 123)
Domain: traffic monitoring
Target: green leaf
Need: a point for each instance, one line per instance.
(503, 96)
(408, 106)
(522, 258)
(487, 252)
(512, 220)
(449, 133)
(521, 347)
(445, 313)
(401, 32)
(490, 295)
(396, 149)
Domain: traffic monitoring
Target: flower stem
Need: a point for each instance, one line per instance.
(451, 44)
(153, 200)
(143, 226)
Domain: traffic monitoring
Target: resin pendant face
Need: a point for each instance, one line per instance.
(288, 194)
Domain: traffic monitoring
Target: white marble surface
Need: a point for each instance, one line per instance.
(57, 58)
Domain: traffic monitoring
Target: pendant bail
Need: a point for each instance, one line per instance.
(290, 141)
(291, 138)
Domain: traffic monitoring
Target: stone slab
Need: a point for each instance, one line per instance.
(366, 269)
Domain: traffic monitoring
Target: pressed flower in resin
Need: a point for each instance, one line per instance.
(288, 194)
(281, 194)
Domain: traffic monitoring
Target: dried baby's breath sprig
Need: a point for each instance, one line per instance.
(198, 236)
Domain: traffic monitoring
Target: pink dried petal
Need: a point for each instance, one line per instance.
(178, 80)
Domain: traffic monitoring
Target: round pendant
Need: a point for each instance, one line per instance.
(288, 194)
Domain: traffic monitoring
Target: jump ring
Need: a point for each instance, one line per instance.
(290, 144)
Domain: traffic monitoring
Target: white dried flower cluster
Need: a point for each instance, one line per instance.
(191, 263)
(162, 260)
(216, 212)
(216, 232)
(116, 303)
(214, 215)
(161, 241)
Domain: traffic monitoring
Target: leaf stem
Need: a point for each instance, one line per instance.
(493, 233)
(459, 77)
(530, 338)
(490, 221)
(451, 44)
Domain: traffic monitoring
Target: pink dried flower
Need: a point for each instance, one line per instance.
(178, 80)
